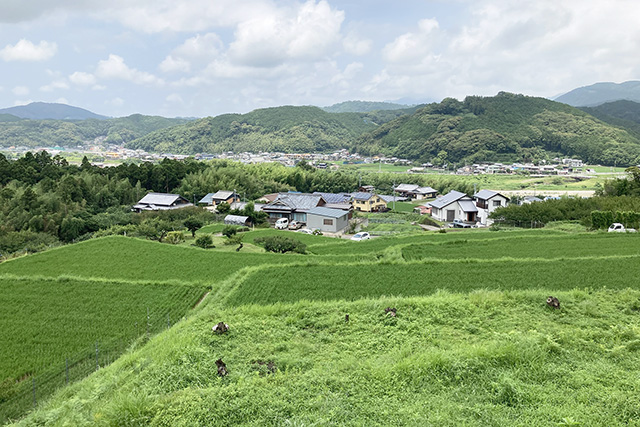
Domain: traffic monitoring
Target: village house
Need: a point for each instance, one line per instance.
(488, 201)
(293, 206)
(454, 205)
(161, 202)
(368, 202)
(412, 191)
(214, 199)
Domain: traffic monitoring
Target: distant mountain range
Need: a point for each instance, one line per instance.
(50, 111)
(600, 93)
(363, 107)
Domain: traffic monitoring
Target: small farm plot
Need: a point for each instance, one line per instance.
(54, 330)
(353, 281)
(542, 246)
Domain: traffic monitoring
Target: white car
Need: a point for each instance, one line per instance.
(616, 227)
(363, 235)
(282, 223)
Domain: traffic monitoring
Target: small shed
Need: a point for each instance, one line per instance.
(327, 219)
(237, 220)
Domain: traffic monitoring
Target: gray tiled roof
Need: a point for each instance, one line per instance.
(295, 202)
(406, 187)
(447, 199)
(485, 194)
(390, 199)
(159, 199)
(425, 190)
(362, 196)
(334, 197)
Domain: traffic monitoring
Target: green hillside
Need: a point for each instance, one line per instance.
(506, 128)
(472, 341)
(288, 129)
(622, 114)
(602, 92)
(67, 133)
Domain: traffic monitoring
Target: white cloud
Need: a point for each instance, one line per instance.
(196, 51)
(307, 32)
(115, 102)
(55, 85)
(62, 100)
(115, 68)
(356, 45)
(82, 79)
(21, 91)
(413, 46)
(174, 98)
(25, 50)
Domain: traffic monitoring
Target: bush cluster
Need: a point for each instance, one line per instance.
(281, 244)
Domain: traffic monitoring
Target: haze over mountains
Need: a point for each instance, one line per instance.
(506, 127)
(599, 93)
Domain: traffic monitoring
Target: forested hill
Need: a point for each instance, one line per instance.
(625, 114)
(287, 129)
(50, 111)
(506, 127)
(49, 133)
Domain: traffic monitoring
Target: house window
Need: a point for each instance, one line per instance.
(482, 204)
(497, 203)
(327, 221)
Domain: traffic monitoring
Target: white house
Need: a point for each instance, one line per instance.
(454, 205)
(488, 201)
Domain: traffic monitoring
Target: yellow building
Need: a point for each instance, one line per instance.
(368, 202)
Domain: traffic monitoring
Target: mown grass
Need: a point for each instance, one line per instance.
(484, 358)
(563, 246)
(353, 281)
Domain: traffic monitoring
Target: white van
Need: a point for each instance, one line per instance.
(282, 223)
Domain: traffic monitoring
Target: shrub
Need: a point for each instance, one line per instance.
(223, 208)
(281, 244)
(229, 231)
(175, 237)
(205, 241)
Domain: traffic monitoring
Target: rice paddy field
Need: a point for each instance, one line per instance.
(472, 341)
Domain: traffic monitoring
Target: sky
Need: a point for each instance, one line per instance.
(197, 58)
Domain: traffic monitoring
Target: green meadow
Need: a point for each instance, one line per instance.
(473, 341)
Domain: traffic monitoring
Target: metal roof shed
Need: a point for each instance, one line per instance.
(327, 219)
(237, 220)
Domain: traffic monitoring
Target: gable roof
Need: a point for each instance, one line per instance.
(390, 199)
(425, 190)
(327, 212)
(406, 187)
(160, 199)
(362, 195)
(334, 197)
(219, 195)
(447, 199)
(467, 206)
(295, 202)
(487, 194)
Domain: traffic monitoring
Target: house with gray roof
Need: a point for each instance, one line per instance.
(488, 201)
(214, 199)
(454, 205)
(413, 191)
(293, 206)
(327, 220)
(161, 202)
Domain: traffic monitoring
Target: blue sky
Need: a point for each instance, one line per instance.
(209, 57)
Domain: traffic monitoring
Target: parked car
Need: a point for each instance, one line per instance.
(363, 235)
(458, 223)
(305, 231)
(616, 227)
(295, 225)
(282, 223)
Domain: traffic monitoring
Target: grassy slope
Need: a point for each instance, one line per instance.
(485, 358)
(492, 354)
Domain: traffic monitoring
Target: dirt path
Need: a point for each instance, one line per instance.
(200, 300)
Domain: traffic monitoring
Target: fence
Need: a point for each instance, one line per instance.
(17, 397)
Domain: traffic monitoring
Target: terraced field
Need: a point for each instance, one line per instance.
(473, 342)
